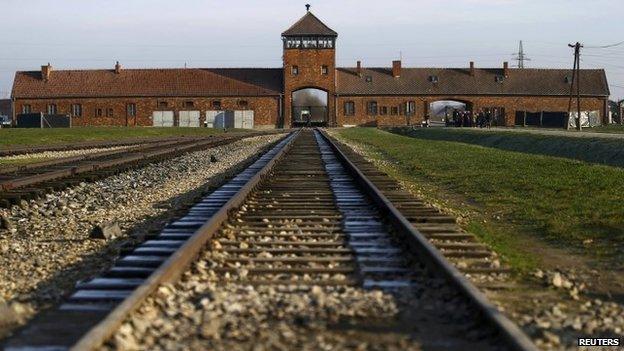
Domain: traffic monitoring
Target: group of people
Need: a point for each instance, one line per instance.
(467, 118)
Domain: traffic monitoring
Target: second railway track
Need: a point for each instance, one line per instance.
(303, 215)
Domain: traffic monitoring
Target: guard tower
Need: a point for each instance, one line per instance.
(309, 73)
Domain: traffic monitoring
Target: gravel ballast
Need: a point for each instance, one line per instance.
(45, 245)
(46, 155)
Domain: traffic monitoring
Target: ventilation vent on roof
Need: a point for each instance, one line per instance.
(369, 79)
(433, 79)
(568, 79)
(500, 79)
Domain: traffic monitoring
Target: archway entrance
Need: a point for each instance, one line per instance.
(309, 107)
(445, 112)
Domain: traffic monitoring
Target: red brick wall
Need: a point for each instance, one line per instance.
(309, 62)
(265, 109)
(511, 105)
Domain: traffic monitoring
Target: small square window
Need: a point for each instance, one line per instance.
(243, 103)
(189, 104)
(369, 79)
(295, 70)
(216, 104)
(394, 110)
(26, 108)
(131, 109)
(98, 112)
(349, 108)
(325, 70)
(500, 79)
(52, 109)
(383, 110)
(433, 79)
(109, 112)
(76, 110)
(163, 104)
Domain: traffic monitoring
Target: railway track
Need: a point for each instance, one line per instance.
(23, 150)
(301, 215)
(30, 181)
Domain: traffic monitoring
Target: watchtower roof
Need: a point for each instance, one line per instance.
(309, 25)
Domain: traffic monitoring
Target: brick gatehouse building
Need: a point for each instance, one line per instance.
(309, 88)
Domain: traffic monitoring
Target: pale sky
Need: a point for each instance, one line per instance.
(237, 33)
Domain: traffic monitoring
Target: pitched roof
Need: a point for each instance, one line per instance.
(309, 25)
(150, 82)
(458, 81)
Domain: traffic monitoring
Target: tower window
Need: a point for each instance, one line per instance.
(372, 108)
(295, 70)
(349, 108)
(324, 69)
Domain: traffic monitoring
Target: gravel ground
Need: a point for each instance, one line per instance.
(553, 307)
(40, 156)
(206, 311)
(45, 246)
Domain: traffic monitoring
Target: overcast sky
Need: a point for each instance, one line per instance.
(245, 33)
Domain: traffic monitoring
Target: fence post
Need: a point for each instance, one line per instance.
(541, 118)
(524, 121)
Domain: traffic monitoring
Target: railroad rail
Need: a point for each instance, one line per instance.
(302, 214)
(24, 150)
(32, 180)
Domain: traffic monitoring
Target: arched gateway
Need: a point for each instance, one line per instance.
(309, 107)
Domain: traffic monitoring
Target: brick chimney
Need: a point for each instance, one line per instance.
(472, 68)
(45, 72)
(396, 68)
(506, 69)
(359, 68)
(117, 67)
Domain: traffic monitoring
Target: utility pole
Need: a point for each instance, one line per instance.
(576, 73)
(520, 56)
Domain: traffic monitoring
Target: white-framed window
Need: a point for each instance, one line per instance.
(26, 108)
(131, 109)
(76, 110)
(52, 109)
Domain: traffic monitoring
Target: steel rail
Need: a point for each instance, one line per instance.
(510, 331)
(176, 264)
(93, 164)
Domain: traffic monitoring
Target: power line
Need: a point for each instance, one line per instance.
(605, 46)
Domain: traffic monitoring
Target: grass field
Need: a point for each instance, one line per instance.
(611, 128)
(595, 150)
(513, 197)
(20, 137)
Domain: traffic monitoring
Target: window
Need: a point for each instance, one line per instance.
(499, 79)
(98, 112)
(26, 109)
(295, 70)
(324, 70)
(243, 103)
(433, 79)
(372, 108)
(394, 110)
(163, 104)
(131, 110)
(52, 109)
(76, 110)
(369, 79)
(109, 112)
(189, 104)
(349, 108)
(383, 110)
(216, 104)
(410, 108)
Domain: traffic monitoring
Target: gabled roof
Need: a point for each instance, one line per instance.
(309, 25)
(458, 81)
(150, 83)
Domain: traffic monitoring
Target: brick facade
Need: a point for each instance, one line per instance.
(511, 104)
(309, 63)
(265, 109)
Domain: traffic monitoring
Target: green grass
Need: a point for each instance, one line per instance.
(595, 150)
(559, 201)
(19, 137)
(611, 128)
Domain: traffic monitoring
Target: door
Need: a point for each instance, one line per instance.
(248, 119)
(189, 119)
(162, 118)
